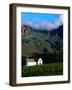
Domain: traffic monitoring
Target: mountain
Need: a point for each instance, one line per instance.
(41, 41)
(58, 31)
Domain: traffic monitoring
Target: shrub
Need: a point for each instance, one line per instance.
(43, 70)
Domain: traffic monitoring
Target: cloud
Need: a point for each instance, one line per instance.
(45, 24)
(59, 21)
(52, 25)
(36, 25)
(48, 25)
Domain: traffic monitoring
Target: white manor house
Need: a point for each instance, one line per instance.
(32, 62)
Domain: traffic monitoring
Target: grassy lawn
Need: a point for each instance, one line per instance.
(43, 70)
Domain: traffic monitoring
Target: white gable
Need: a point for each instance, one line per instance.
(40, 61)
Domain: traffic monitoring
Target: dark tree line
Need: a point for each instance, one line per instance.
(50, 57)
(46, 57)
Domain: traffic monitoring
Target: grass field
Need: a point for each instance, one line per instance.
(43, 70)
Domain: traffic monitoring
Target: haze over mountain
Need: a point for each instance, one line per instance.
(36, 40)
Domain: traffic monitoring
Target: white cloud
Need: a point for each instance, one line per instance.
(29, 23)
(46, 24)
(59, 21)
(37, 26)
(52, 25)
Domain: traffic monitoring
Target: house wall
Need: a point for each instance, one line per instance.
(31, 63)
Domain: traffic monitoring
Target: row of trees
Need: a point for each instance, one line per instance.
(50, 57)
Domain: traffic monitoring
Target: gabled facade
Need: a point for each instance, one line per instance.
(40, 61)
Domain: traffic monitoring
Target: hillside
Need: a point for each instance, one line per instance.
(41, 41)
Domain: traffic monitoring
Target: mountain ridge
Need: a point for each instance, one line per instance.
(41, 40)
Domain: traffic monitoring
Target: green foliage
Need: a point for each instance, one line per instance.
(47, 44)
(40, 41)
(43, 70)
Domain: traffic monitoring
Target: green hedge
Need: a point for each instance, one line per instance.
(43, 70)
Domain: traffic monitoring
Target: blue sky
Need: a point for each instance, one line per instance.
(41, 17)
(38, 20)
